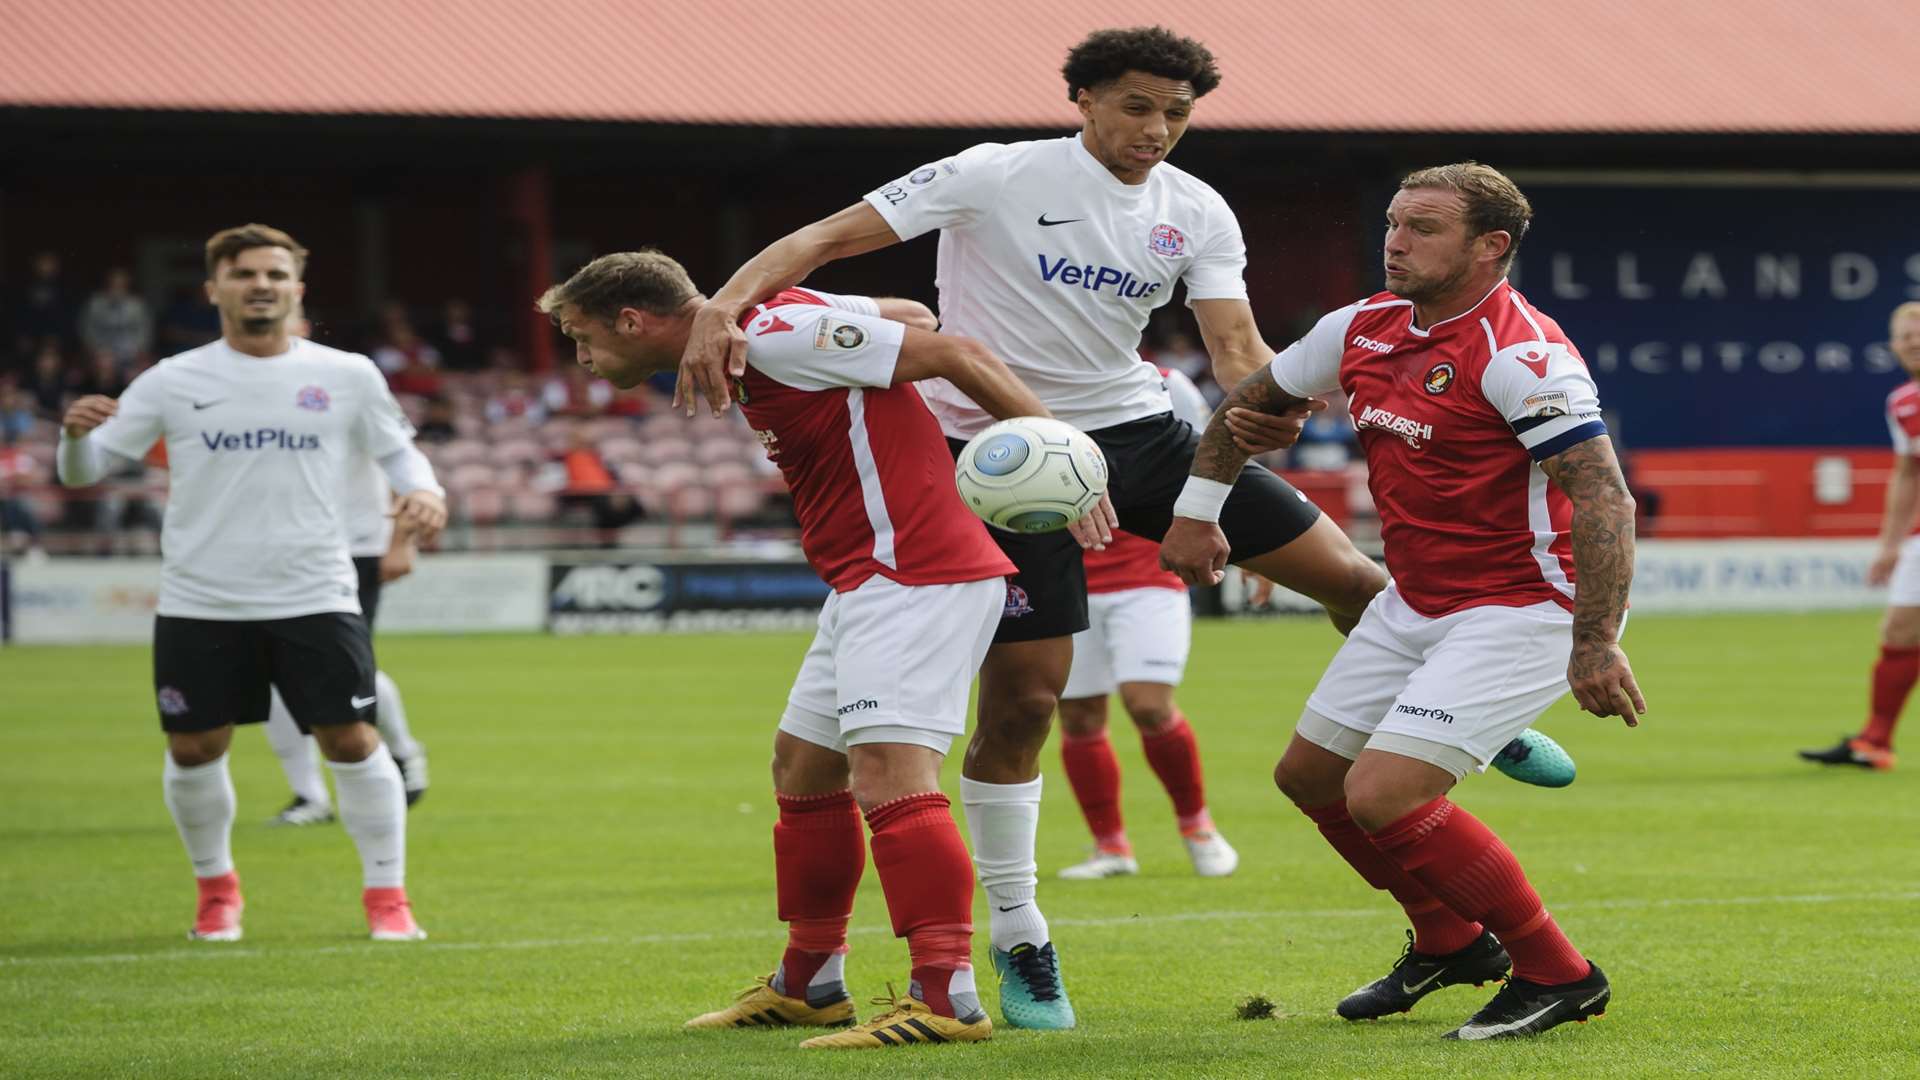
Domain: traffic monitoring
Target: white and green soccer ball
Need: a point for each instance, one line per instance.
(1031, 474)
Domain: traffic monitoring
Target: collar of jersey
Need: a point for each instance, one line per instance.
(1428, 332)
(293, 346)
(1091, 164)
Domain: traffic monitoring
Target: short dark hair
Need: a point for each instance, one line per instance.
(227, 243)
(1494, 203)
(644, 279)
(1108, 54)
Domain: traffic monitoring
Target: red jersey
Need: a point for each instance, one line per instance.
(1454, 419)
(1903, 423)
(1130, 562)
(870, 472)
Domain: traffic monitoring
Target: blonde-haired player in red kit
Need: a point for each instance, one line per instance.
(1896, 565)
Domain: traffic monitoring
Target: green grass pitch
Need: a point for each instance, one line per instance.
(594, 865)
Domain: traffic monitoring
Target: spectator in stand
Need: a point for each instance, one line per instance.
(576, 393)
(16, 408)
(437, 425)
(1178, 352)
(458, 339)
(515, 399)
(49, 381)
(105, 374)
(44, 311)
(188, 321)
(412, 365)
(19, 531)
(117, 322)
(591, 486)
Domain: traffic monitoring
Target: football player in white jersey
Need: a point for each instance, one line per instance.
(1054, 254)
(383, 551)
(256, 586)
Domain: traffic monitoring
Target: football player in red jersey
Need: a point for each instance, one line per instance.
(1896, 564)
(1498, 489)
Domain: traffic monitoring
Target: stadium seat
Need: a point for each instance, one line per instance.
(665, 451)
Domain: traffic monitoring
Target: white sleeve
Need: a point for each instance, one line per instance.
(810, 347)
(1189, 403)
(408, 471)
(1902, 444)
(951, 193)
(140, 420)
(1219, 271)
(79, 462)
(862, 305)
(1311, 366)
(382, 426)
(1544, 391)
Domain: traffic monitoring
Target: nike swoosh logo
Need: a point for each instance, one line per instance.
(1601, 996)
(1045, 224)
(1502, 1029)
(1415, 988)
(198, 405)
(1015, 907)
(361, 702)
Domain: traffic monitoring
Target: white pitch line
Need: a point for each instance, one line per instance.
(214, 951)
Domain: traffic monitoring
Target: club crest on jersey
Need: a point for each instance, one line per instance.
(1413, 432)
(172, 702)
(923, 176)
(1167, 241)
(1018, 603)
(314, 398)
(1439, 377)
(833, 334)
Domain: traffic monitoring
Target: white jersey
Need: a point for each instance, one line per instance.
(1055, 265)
(259, 450)
(369, 508)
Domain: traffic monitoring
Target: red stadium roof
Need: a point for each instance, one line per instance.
(1293, 65)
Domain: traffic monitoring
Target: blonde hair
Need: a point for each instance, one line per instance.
(1910, 308)
(1494, 203)
(644, 279)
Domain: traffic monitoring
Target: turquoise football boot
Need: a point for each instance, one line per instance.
(1031, 993)
(1533, 758)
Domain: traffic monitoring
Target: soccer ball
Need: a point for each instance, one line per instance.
(1031, 474)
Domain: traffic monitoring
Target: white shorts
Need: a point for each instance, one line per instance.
(1135, 635)
(1451, 691)
(892, 663)
(1904, 589)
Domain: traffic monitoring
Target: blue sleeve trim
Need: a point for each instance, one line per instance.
(1590, 430)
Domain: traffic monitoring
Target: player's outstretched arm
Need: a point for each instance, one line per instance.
(717, 347)
(1194, 546)
(1589, 474)
(1897, 521)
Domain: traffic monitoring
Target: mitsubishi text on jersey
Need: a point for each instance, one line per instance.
(258, 450)
(870, 473)
(1454, 419)
(1055, 265)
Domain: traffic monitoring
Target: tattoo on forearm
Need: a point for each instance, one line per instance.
(1590, 476)
(1217, 457)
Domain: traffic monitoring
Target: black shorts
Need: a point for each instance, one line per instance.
(210, 673)
(1147, 465)
(368, 567)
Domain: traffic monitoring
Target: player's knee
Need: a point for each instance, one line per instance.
(1305, 787)
(1900, 629)
(1019, 715)
(1083, 716)
(1374, 805)
(347, 743)
(190, 748)
(1364, 580)
(1151, 716)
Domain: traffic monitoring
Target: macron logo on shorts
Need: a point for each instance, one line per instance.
(858, 706)
(1441, 715)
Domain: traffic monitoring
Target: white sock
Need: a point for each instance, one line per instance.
(390, 716)
(373, 810)
(200, 798)
(1003, 819)
(298, 758)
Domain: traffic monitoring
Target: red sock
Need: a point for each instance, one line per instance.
(1436, 929)
(928, 878)
(1175, 758)
(1094, 773)
(818, 855)
(1464, 864)
(1893, 679)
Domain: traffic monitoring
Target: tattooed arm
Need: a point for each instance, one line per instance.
(1598, 671)
(1194, 546)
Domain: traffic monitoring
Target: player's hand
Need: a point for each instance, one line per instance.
(88, 413)
(1880, 570)
(716, 349)
(397, 562)
(1095, 531)
(1256, 432)
(1602, 682)
(1195, 550)
(421, 513)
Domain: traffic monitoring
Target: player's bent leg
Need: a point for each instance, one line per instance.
(1323, 565)
(198, 790)
(1093, 770)
(928, 880)
(390, 716)
(1020, 685)
(1174, 755)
